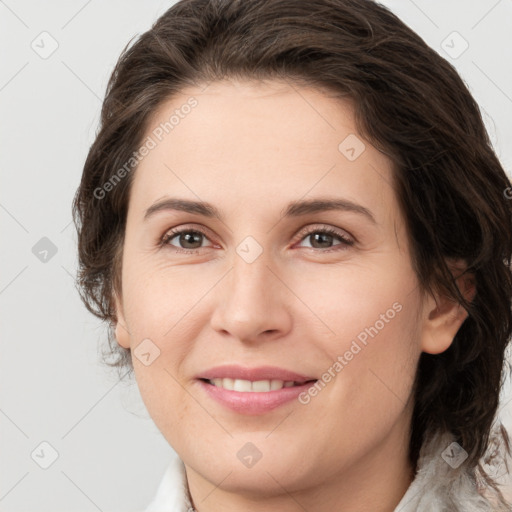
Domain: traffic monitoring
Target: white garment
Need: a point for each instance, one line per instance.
(437, 487)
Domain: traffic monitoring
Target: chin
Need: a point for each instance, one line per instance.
(252, 470)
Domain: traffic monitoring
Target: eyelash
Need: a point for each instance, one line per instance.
(345, 241)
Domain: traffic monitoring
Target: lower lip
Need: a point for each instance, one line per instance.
(251, 402)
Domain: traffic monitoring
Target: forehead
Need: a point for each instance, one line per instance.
(254, 141)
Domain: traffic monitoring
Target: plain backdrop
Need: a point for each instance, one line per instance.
(58, 406)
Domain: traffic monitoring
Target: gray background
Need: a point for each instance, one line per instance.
(52, 387)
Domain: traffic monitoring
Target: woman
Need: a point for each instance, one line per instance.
(294, 221)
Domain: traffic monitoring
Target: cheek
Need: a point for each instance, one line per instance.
(370, 306)
(370, 394)
(165, 399)
(159, 297)
(162, 305)
(374, 351)
(377, 365)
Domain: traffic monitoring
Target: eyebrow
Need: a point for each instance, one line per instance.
(293, 209)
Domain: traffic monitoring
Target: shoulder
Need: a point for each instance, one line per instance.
(445, 484)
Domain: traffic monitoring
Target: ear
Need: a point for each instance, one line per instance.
(442, 316)
(121, 331)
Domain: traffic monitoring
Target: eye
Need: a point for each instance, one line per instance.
(324, 238)
(190, 239)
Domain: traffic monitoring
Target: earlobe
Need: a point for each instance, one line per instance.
(443, 317)
(121, 331)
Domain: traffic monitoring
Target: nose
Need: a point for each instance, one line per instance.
(252, 302)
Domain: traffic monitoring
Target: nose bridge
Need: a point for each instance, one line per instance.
(251, 279)
(252, 302)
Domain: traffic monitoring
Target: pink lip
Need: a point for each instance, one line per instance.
(252, 374)
(253, 403)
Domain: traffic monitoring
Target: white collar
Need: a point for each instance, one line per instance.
(172, 494)
(436, 487)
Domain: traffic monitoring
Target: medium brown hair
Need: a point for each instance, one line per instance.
(409, 103)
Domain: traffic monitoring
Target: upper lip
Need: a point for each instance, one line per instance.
(253, 374)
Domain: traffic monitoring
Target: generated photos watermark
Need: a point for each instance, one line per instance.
(150, 142)
(357, 345)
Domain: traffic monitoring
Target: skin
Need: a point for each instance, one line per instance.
(250, 148)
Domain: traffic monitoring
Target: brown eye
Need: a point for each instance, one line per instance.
(186, 239)
(324, 238)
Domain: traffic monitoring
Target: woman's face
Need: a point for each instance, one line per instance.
(258, 284)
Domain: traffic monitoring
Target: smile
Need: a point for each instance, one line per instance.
(253, 397)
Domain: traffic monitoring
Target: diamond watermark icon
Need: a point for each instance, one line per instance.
(44, 455)
(146, 352)
(454, 45)
(44, 250)
(44, 45)
(351, 147)
(249, 249)
(454, 455)
(249, 455)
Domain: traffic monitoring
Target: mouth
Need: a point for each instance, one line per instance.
(256, 386)
(253, 391)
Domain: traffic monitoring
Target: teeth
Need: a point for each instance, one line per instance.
(261, 385)
(258, 386)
